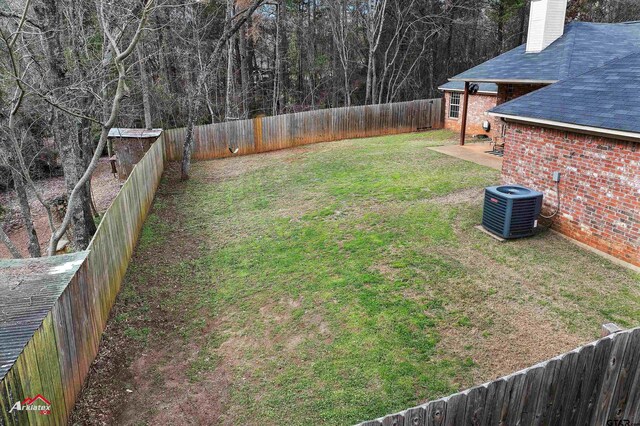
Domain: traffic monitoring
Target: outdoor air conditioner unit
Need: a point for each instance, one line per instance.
(511, 211)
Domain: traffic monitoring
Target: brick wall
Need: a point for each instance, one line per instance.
(479, 104)
(508, 92)
(600, 187)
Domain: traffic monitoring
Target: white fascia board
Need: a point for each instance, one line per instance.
(499, 81)
(614, 134)
(481, 92)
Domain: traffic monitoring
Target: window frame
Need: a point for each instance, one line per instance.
(458, 104)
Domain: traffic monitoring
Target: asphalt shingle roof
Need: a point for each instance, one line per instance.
(458, 86)
(605, 98)
(583, 46)
(29, 288)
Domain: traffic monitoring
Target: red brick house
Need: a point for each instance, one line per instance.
(477, 108)
(567, 103)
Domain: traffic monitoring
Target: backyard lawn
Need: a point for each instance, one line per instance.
(335, 283)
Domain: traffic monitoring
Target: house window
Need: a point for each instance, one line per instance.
(510, 92)
(454, 105)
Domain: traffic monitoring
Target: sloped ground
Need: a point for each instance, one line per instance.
(104, 187)
(335, 283)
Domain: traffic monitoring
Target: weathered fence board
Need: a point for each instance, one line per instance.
(302, 128)
(63, 335)
(592, 385)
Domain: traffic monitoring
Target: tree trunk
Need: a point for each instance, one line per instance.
(9, 244)
(196, 84)
(500, 38)
(277, 67)
(144, 87)
(188, 144)
(245, 74)
(369, 87)
(25, 210)
(73, 162)
(300, 47)
(230, 110)
(522, 14)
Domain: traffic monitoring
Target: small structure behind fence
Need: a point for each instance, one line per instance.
(51, 349)
(596, 384)
(289, 130)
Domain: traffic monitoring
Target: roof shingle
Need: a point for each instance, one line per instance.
(583, 46)
(604, 98)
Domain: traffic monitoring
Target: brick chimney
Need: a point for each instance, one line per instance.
(546, 23)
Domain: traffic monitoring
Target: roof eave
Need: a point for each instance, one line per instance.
(503, 81)
(480, 92)
(578, 128)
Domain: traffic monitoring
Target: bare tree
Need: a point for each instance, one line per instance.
(113, 55)
(9, 244)
(340, 18)
(144, 86)
(10, 150)
(198, 83)
(374, 17)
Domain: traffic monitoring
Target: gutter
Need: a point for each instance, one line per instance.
(503, 81)
(596, 131)
(481, 92)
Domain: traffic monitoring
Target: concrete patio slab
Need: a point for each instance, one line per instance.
(476, 153)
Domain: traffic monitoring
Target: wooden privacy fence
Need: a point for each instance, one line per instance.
(289, 130)
(597, 384)
(68, 325)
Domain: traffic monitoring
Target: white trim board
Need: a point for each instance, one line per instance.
(480, 92)
(503, 81)
(598, 131)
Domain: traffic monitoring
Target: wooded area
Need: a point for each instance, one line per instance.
(70, 71)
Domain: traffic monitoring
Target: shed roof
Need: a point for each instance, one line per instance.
(134, 133)
(603, 98)
(584, 46)
(458, 86)
(28, 290)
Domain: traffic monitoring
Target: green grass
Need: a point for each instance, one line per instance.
(344, 281)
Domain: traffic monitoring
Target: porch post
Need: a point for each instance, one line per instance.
(465, 104)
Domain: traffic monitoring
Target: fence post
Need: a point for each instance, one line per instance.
(257, 134)
(289, 130)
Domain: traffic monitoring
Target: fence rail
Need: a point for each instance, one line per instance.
(596, 384)
(57, 358)
(285, 131)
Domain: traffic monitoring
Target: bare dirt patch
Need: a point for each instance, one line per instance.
(538, 338)
(105, 187)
